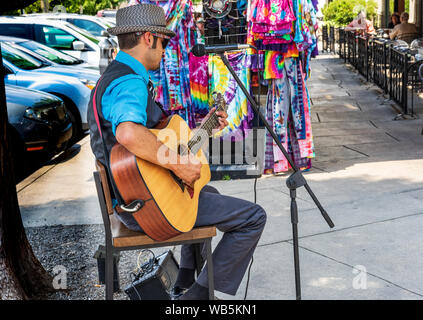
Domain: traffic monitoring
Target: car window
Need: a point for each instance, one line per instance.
(88, 25)
(84, 33)
(49, 53)
(19, 58)
(55, 37)
(16, 30)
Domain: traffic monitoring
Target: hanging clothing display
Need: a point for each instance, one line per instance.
(284, 32)
(199, 79)
(240, 114)
(184, 83)
(172, 80)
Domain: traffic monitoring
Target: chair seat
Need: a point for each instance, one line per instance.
(123, 237)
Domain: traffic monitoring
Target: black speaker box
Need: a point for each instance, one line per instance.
(157, 282)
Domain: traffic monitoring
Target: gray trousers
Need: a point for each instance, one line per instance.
(242, 223)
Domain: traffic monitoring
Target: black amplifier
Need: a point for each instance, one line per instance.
(156, 279)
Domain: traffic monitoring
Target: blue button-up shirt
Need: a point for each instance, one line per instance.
(125, 99)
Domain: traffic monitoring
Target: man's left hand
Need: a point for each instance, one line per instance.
(222, 116)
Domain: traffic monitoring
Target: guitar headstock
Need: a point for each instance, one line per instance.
(219, 102)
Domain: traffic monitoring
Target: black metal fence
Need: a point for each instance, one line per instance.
(391, 68)
(380, 65)
(398, 78)
(328, 38)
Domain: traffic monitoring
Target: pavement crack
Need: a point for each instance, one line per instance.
(390, 135)
(356, 151)
(323, 170)
(31, 182)
(410, 190)
(374, 125)
(358, 105)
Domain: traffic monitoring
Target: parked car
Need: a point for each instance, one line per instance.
(39, 125)
(73, 88)
(92, 24)
(47, 54)
(60, 35)
(108, 14)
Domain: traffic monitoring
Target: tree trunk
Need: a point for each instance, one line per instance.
(44, 5)
(21, 274)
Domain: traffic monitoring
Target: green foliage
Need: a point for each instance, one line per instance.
(90, 7)
(342, 12)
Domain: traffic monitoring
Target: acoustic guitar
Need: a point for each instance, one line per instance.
(162, 204)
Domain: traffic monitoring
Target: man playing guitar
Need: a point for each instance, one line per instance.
(122, 105)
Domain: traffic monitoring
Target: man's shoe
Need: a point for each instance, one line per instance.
(176, 292)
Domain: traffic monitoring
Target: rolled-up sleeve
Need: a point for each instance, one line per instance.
(125, 100)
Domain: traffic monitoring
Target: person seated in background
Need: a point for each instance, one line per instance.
(395, 19)
(361, 24)
(404, 28)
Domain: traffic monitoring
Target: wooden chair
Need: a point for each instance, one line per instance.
(119, 238)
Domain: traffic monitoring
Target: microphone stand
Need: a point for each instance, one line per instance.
(293, 182)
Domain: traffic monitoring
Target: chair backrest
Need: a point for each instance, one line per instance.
(408, 37)
(105, 186)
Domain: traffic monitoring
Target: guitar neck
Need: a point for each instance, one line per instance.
(204, 132)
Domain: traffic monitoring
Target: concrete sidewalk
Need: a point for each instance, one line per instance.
(368, 175)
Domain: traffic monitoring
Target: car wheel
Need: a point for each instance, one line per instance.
(76, 129)
(73, 113)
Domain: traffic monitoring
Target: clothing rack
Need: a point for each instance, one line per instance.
(232, 28)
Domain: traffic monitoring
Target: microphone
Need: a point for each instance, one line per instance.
(200, 50)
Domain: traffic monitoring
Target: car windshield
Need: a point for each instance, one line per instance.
(50, 53)
(19, 58)
(93, 27)
(84, 33)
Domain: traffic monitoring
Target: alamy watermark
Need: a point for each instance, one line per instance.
(360, 280)
(230, 150)
(60, 280)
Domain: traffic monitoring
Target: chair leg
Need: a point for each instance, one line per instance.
(198, 259)
(109, 274)
(210, 269)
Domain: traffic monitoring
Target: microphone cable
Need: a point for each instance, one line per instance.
(255, 180)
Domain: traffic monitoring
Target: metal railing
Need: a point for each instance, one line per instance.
(378, 60)
(328, 38)
(398, 77)
(341, 44)
(351, 48)
(325, 38)
(363, 55)
(331, 39)
(380, 66)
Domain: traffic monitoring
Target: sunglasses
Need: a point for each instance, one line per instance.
(165, 39)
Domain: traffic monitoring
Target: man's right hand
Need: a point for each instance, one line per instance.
(188, 169)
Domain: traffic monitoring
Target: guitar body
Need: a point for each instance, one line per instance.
(170, 208)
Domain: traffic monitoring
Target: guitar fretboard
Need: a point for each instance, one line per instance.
(206, 129)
